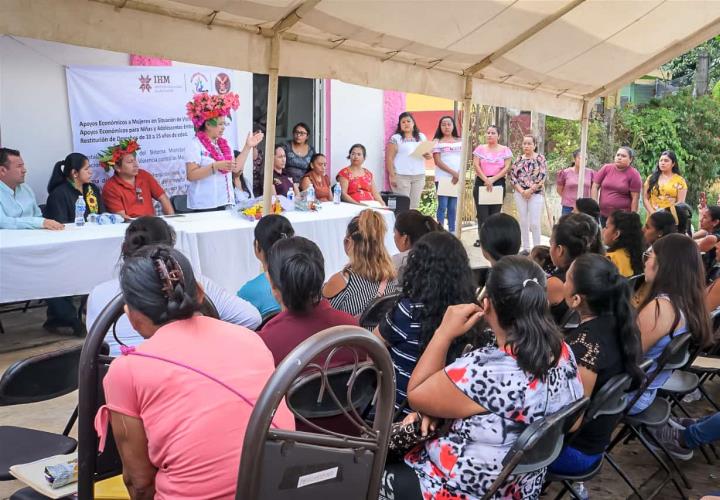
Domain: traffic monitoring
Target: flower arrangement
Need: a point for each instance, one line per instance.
(204, 107)
(255, 212)
(113, 155)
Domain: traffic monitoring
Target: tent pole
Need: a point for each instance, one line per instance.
(467, 107)
(584, 126)
(271, 122)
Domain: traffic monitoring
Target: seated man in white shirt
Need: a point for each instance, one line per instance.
(18, 208)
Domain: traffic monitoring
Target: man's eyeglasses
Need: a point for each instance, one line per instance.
(300, 132)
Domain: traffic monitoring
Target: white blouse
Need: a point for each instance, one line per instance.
(404, 163)
(213, 191)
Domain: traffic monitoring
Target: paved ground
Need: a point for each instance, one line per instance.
(25, 337)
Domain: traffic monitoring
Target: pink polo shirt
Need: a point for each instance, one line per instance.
(195, 427)
(616, 187)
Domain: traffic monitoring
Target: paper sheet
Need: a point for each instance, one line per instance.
(447, 188)
(33, 474)
(422, 148)
(372, 203)
(494, 197)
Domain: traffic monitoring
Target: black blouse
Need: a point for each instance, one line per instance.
(60, 205)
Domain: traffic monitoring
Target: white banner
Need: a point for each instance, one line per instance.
(108, 104)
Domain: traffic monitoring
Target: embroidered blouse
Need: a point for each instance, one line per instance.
(359, 188)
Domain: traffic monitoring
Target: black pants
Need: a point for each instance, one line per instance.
(485, 211)
(61, 311)
(399, 482)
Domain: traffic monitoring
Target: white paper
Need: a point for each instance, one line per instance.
(447, 188)
(317, 477)
(422, 148)
(372, 203)
(494, 197)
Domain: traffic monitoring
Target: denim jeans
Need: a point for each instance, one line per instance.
(566, 210)
(705, 431)
(447, 204)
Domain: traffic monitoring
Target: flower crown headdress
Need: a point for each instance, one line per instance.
(113, 155)
(205, 107)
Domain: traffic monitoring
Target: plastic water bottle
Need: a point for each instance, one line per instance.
(291, 195)
(581, 490)
(80, 211)
(337, 194)
(311, 194)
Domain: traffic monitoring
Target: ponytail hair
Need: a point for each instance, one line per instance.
(684, 214)
(159, 282)
(62, 171)
(630, 237)
(579, 234)
(414, 225)
(516, 289)
(368, 256)
(297, 269)
(607, 293)
(270, 229)
(144, 231)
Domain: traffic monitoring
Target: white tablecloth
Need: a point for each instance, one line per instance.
(38, 264)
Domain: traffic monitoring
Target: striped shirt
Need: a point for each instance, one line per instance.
(401, 329)
(359, 293)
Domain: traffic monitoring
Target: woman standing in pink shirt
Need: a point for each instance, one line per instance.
(492, 162)
(619, 185)
(179, 403)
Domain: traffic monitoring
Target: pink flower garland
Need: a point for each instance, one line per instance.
(224, 152)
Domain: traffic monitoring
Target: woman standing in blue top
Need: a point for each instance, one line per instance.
(257, 291)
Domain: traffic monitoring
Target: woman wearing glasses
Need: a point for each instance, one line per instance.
(299, 152)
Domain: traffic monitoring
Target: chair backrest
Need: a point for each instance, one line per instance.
(396, 201)
(538, 445)
(376, 310)
(570, 320)
(636, 281)
(279, 465)
(41, 377)
(179, 203)
(611, 399)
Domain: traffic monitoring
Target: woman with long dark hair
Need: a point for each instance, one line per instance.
(665, 186)
(605, 344)
(447, 155)
(437, 275)
(491, 162)
(623, 237)
(405, 170)
(674, 304)
(69, 181)
(659, 224)
(410, 226)
(574, 235)
(316, 177)
(178, 404)
(494, 392)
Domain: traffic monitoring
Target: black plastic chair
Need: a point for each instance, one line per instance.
(610, 400)
(538, 445)
(38, 378)
(278, 464)
(179, 203)
(675, 355)
(395, 201)
(376, 310)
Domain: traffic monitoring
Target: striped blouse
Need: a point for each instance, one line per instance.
(359, 293)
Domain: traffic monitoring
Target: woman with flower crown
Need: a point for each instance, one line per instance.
(209, 160)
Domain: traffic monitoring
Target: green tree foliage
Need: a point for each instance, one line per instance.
(562, 137)
(682, 68)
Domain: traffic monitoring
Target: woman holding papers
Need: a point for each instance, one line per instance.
(405, 159)
(492, 162)
(447, 154)
(528, 177)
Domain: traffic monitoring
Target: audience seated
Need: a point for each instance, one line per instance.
(624, 238)
(674, 304)
(573, 236)
(409, 227)
(500, 236)
(493, 393)
(179, 403)
(268, 230)
(606, 343)
(437, 275)
(659, 224)
(540, 254)
(131, 190)
(708, 235)
(297, 272)
(588, 206)
(140, 233)
(69, 181)
(712, 294)
(684, 214)
(370, 273)
(18, 208)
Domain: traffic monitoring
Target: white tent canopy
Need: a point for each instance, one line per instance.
(545, 55)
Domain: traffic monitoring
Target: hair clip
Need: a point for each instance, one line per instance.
(169, 276)
(530, 280)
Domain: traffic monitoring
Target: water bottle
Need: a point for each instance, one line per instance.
(311, 194)
(337, 194)
(291, 195)
(80, 211)
(581, 490)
